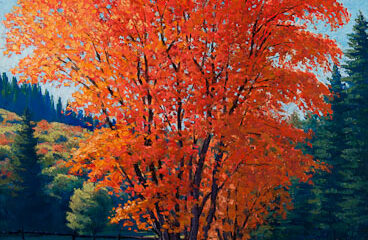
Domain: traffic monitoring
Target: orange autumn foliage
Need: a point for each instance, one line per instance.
(58, 148)
(4, 140)
(43, 126)
(196, 90)
(42, 151)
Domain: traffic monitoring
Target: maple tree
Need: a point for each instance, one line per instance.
(193, 94)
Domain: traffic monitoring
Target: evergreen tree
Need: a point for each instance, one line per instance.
(340, 198)
(59, 110)
(29, 205)
(353, 209)
(328, 144)
(315, 212)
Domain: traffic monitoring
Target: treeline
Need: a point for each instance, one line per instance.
(17, 98)
(336, 205)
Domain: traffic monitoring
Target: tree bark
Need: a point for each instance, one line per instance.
(194, 225)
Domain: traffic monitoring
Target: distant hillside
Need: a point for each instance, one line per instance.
(16, 98)
(55, 144)
(55, 141)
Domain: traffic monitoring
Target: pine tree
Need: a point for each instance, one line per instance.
(328, 144)
(340, 197)
(29, 205)
(354, 205)
(59, 110)
(314, 214)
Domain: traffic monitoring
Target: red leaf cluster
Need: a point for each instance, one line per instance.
(193, 92)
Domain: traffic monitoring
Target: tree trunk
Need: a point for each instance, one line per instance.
(194, 223)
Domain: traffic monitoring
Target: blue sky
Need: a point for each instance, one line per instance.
(5, 63)
(6, 5)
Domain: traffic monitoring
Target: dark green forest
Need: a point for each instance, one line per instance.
(16, 98)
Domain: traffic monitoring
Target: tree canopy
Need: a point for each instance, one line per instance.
(193, 92)
(90, 208)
